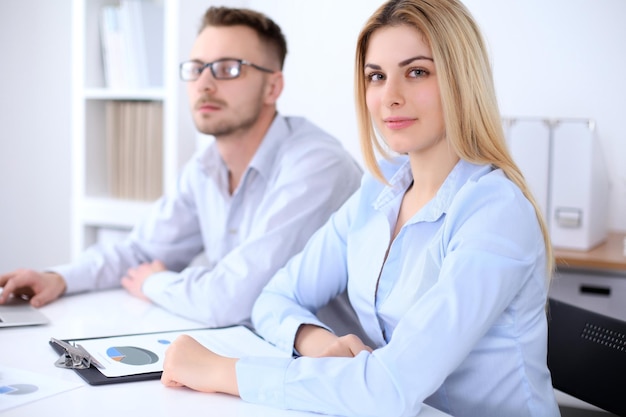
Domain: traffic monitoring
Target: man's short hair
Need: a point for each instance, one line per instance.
(268, 31)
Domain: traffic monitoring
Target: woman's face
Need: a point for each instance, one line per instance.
(402, 93)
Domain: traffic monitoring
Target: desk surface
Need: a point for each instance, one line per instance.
(111, 313)
(608, 255)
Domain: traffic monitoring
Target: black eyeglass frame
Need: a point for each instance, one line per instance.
(209, 65)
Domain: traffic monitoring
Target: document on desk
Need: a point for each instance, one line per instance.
(143, 353)
(19, 387)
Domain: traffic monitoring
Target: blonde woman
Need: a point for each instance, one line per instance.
(443, 251)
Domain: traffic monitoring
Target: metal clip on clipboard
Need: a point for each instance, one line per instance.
(74, 356)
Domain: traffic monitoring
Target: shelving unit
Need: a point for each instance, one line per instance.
(93, 206)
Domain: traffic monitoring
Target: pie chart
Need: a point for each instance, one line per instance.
(132, 355)
(18, 389)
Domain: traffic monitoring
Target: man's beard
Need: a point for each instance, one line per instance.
(245, 118)
(227, 128)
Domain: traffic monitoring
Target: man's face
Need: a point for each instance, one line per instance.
(228, 107)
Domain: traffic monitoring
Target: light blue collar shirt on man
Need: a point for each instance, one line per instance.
(297, 178)
(454, 305)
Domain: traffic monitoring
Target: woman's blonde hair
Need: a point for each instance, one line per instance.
(472, 120)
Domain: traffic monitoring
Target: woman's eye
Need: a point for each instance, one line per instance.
(417, 73)
(374, 76)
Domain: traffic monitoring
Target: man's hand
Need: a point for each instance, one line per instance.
(188, 363)
(135, 277)
(39, 287)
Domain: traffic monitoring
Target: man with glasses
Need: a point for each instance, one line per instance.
(250, 200)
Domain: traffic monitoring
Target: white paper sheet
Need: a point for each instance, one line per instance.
(144, 353)
(18, 387)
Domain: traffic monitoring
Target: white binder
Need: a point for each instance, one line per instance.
(579, 193)
(563, 165)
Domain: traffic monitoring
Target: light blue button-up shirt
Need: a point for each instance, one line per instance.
(297, 178)
(456, 310)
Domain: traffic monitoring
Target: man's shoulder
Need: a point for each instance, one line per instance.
(306, 146)
(303, 129)
(205, 159)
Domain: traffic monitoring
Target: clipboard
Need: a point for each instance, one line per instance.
(93, 376)
(233, 341)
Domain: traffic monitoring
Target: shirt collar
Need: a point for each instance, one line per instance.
(402, 178)
(262, 161)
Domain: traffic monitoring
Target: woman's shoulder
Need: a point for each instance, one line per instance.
(492, 183)
(490, 195)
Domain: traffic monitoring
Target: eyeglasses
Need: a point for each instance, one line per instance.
(222, 69)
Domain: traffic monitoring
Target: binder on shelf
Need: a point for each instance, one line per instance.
(113, 48)
(134, 137)
(151, 42)
(154, 152)
(132, 44)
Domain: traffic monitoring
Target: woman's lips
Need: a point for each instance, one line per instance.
(395, 123)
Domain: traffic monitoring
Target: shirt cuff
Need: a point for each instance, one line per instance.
(71, 275)
(261, 380)
(289, 330)
(155, 286)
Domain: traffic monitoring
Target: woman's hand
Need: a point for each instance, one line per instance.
(188, 363)
(347, 346)
(317, 342)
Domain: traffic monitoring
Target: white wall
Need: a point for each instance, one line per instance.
(35, 136)
(557, 58)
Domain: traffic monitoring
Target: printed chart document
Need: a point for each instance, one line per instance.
(143, 353)
(18, 387)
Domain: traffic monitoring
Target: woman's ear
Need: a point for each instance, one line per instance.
(274, 87)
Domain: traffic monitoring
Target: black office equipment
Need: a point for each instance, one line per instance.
(587, 355)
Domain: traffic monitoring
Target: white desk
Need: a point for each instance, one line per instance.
(111, 313)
